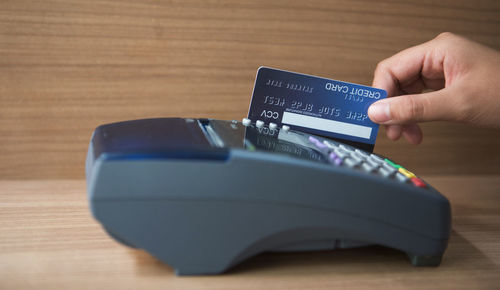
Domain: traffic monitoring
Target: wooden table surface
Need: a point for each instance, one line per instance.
(48, 240)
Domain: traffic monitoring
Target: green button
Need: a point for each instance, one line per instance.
(397, 166)
(250, 146)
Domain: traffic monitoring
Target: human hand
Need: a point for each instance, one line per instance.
(464, 77)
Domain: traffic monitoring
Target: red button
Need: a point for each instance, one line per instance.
(418, 182)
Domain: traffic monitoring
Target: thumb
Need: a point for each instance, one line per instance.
(431, 106)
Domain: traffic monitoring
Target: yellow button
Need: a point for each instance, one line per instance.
(406, 172)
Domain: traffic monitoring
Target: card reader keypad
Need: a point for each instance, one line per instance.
(344, 155)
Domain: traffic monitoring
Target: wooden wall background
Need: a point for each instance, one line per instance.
(68, 66)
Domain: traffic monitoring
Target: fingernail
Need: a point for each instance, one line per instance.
(379, 112)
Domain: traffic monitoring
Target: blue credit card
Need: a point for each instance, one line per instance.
(316, 105)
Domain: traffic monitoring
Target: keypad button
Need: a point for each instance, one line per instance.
(367, 167)
(359, 155)
(362, 153)
(356, 158)
(397, 166)
(329, 144)
(346, 148)
(418, 182)
(334, 159)
(400, 177)
(376, 159)
(351, 162)
(341, 153)
(386, 173)
(246, 122)
(317, 143)
(406, 173)
(389, 167)
(337, 161)
(344, 151)
(313, 140)
(320, 145)
(372, 163)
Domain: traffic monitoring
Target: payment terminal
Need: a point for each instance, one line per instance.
(202, 195)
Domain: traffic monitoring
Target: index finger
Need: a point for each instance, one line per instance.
(408, 69)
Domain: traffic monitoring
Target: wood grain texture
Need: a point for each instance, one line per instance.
(49, 241)
(68, 66)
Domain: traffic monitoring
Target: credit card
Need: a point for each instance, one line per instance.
(316, 105)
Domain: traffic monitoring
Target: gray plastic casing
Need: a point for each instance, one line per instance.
(205, 216)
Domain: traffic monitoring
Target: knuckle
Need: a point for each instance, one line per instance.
(446, 35)
(381, 66)
(448, 40)
(417, 110)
